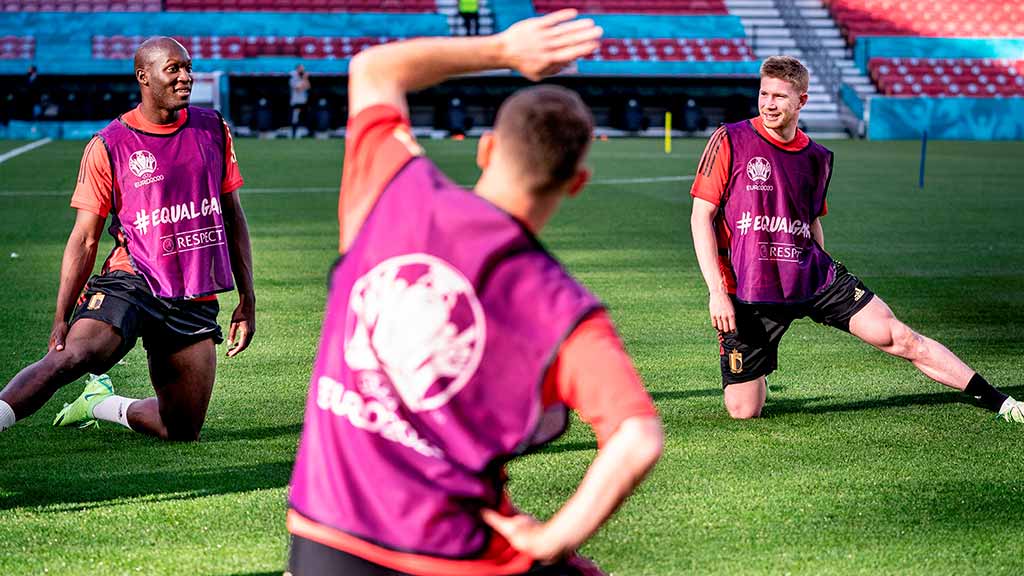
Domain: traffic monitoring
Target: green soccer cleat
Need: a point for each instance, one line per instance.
(1012, 411)
(97, 389)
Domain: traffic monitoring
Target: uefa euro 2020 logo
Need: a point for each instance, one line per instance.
(142, 163)
(759, 169)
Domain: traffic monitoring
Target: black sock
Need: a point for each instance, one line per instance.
(979, 388)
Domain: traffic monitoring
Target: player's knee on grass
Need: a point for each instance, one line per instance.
(183, 432)
(743, 408)
(182, 428)
(746, 411)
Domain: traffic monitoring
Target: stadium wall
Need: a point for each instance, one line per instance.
(508, 12)
(900, 118)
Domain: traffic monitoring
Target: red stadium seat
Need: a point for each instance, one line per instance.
(636, 6)
(427, 6)
(955, 18)
(976, 78)
(673, 49)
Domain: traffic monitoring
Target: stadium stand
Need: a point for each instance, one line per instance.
(955, 18)
(17, 47)
(236, 47)
(674, 49)
(635, 6)
(319, 47)
(975, 78)
(400, 6)
(81, 5)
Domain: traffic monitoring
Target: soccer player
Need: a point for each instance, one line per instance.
(758, 199)
(167, 176)
(452, 341)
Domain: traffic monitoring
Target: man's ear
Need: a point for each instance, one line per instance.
(803, 100)
(484, 149)
(578, 182)
(142, 76)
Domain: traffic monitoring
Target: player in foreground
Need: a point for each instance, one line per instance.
(166, 174)
(452, 341)
(759, 196)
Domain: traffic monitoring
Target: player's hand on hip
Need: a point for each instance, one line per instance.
(542, 46)
(58, 334)
(526, 535)
(242, 329)
(723, 313)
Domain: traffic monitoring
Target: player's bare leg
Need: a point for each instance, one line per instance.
(878, 326)
(184, 383)
(91, 346)
(745, 400)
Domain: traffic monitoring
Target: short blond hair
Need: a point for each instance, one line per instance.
(787, 68)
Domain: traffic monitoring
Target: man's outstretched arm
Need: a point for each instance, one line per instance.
(536, 48)
(702, 226)
(243, 319)
(76, 265)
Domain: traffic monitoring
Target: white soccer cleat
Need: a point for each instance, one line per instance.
(1012, 411)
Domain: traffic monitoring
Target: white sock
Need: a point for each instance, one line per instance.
(114, 409)
(6, 416)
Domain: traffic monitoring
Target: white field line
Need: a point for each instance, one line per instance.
(22, 149)
(326, 189)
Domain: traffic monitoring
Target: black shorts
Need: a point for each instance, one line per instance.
(125, 301)
(752, 350)
(309, 558)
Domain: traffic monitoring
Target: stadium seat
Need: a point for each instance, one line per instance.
(952, 18)
(947, 77)
(81, 6)
(17, 47)
(689, 7)
(673, 49)
(417, 6)
(234, 47)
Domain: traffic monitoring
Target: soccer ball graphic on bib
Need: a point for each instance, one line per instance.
(418, 321)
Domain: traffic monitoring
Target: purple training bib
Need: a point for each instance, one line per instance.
(441, 322)
(772, 199)
(168, 212)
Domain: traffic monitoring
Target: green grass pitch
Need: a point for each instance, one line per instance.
(861, 465)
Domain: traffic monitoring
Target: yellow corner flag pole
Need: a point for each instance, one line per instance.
(668, 132)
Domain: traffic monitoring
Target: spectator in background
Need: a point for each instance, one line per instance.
(634, 116)
(456, 118)
(322, 118)
(7, 109)
(299, 84)
(693, 117)
(470, 12)
(32, 92)
(264, 118)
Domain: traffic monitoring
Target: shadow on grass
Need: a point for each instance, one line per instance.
(97, 470)
(68, 492)
(568, 447)
(685, 394)
(782, 406)
(264, 433)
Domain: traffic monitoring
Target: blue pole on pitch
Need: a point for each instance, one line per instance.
(924, 154)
